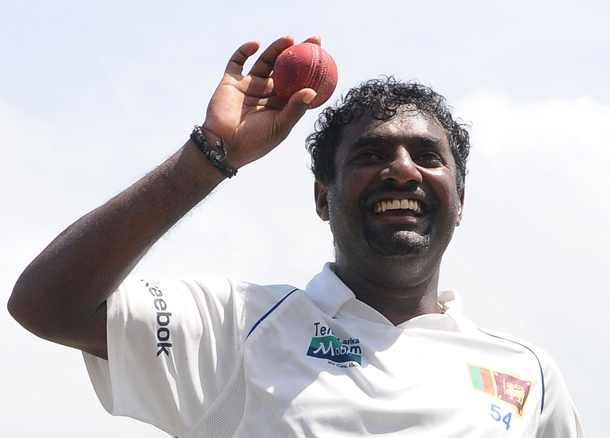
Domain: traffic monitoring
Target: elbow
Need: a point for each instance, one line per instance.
(46, 309)
(50, 316)
(29, 305)
(20, 308)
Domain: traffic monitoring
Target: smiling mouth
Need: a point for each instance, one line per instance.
(398, 204)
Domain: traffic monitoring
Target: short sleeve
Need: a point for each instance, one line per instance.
(171, 349)
(559, 417)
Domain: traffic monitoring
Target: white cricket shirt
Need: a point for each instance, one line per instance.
(217, 358)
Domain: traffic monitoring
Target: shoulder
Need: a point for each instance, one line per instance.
(543, 358)
(207, 297)
(553, 385)
(218, 288)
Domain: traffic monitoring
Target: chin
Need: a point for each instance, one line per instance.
(404, 243)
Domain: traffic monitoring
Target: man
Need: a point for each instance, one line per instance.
(370, 348)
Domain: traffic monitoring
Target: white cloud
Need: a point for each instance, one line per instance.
(548, 160)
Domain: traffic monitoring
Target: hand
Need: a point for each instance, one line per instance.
(246, 112)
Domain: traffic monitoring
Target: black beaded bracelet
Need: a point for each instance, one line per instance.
(217, 156)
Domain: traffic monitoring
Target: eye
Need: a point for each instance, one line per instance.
(429, 159)
(367, 156)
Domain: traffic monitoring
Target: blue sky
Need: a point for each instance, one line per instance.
(95, 94)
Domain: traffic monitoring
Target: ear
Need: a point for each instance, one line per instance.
(321, 196)
(460, 209)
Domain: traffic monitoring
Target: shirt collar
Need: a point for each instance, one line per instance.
(328, 292)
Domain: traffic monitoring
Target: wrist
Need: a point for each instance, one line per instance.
(215, 152)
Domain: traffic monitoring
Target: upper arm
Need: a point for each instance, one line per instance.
(96, 340)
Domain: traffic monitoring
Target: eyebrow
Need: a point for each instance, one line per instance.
(373, 139)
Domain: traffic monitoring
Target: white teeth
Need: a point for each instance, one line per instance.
(398, 204)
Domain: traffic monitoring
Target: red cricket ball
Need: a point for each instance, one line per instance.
(305, 65)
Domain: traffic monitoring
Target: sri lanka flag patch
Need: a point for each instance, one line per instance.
(505, 387)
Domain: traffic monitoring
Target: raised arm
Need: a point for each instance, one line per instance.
(61, 295)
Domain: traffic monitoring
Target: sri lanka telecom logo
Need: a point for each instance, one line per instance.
(340, 352)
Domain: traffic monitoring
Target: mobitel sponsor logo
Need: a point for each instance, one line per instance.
(326, 345)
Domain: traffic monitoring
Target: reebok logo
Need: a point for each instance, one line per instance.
(344, 353)
(163, 320)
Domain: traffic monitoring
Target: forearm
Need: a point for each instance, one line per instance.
(61, 296)
(59, 293)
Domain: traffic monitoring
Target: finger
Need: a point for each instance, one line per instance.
(241, 55)
(264, 64)
(315, 39)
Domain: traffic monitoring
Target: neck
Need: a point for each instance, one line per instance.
(396, 293)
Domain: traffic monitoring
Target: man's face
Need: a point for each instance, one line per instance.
(394, 192)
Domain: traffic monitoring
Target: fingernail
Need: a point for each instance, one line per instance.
(308, 98)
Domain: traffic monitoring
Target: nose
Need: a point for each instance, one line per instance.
(401, 168)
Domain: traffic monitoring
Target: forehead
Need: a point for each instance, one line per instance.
(405, 127)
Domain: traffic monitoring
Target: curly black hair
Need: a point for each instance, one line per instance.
(382, 99)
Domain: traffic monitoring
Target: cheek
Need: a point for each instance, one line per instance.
(445, 185)
(336, 204)
(342, 207)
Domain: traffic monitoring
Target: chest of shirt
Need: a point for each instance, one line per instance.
(334, 376)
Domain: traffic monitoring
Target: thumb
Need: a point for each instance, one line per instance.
(307, 96)
(296, 107)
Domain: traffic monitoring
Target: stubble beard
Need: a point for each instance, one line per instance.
(371, 241)
(397, 243)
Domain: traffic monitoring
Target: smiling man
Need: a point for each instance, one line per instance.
(395, 193)
(371, 347)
